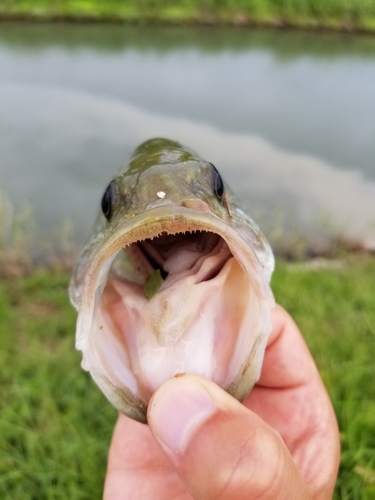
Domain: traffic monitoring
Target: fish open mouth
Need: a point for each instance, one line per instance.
(173, 302)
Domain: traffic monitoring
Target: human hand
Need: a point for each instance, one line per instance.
(282, 443)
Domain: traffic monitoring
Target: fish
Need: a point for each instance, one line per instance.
(175, 279)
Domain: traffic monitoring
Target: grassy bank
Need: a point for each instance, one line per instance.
(55, 425)
(331, 14)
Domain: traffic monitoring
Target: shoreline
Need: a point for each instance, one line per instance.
(236, 21)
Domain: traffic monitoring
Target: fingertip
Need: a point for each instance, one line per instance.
(177, 409)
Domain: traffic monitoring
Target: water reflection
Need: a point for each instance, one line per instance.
(287, 117)
(73, 143)
(284, 45)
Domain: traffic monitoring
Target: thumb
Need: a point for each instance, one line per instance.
(219, 448)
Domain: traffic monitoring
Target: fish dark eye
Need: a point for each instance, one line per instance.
(218, 184)
(107, 202)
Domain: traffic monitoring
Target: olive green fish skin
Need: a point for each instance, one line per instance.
(161, 165)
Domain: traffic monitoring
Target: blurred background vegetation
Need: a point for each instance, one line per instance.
(334, 14)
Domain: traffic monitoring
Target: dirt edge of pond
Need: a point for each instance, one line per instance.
(239, 21)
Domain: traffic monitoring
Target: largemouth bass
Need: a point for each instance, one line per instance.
(174, 280)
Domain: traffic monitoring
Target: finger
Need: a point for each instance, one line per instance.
(220, 449)
(291, 397)
(287, 360)
(137, 468)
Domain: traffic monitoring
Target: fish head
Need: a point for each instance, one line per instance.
(163, 173)
(174, 280)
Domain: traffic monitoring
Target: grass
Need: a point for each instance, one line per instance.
(55, 425)
(335, 310)
(332, 14)
(22, 243)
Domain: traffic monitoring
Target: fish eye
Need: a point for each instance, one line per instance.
(107, 202)
(218, 184)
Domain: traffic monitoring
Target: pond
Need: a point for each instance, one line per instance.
(288, 119)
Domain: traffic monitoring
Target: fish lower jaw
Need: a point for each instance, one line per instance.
(208, 327)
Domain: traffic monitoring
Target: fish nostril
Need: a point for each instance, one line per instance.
(196, 204)
(159, 202)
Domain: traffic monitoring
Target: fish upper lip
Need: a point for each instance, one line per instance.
(171, 219)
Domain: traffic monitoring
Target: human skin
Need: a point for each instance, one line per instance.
(281, 443)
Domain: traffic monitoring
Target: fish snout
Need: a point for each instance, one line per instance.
(166, 198)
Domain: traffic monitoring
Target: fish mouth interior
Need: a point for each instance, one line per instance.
(170, 254)
(200, 315)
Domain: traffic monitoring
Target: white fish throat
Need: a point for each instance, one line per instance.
(174, 280)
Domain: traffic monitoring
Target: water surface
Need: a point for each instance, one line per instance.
(287, 117)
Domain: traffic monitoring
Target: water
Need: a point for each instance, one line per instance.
(288, 118)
